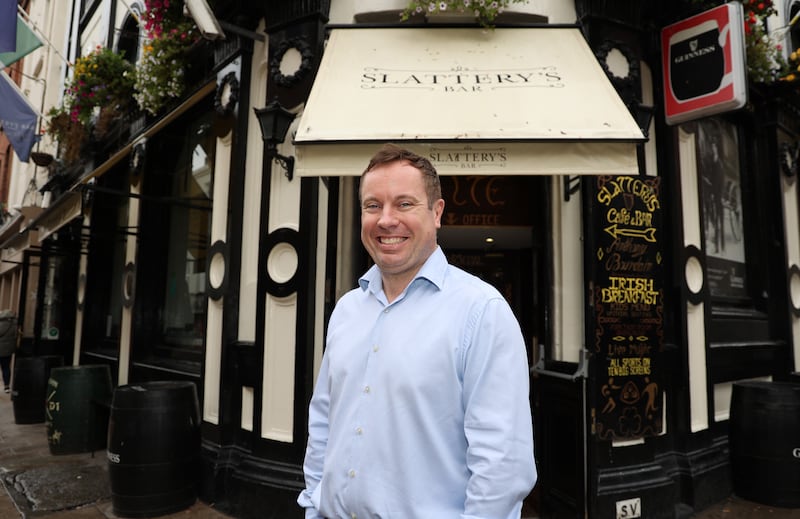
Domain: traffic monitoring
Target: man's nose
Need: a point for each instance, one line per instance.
(388, 216)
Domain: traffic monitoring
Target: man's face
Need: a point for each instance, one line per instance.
(397, 227)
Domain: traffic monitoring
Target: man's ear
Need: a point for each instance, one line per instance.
(438, 211)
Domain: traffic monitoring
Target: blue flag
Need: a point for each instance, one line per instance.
(18, 118)
(8, 25)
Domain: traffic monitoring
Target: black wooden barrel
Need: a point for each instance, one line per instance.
(78, 398)
(29, 387)
(764, 441)
(153, 448)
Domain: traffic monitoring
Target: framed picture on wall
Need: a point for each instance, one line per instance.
(720, 189)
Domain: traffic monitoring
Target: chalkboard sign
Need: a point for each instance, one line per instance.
(628, 300)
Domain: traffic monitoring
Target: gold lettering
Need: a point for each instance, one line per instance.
(630, 291)
(633, 185)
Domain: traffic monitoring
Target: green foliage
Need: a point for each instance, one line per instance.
(485, 11)
(160, 75)
(765, 62)
(101, 87)
(100, 79)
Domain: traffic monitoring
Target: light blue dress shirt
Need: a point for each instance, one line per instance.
(421, 407)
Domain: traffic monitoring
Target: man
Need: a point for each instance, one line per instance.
(8, 345)
(421, 405)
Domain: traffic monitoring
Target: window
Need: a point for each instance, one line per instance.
(174, 234)
(184, 288)
(128, 43)
(106, 263)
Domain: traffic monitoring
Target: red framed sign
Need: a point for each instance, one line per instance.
(703, 62)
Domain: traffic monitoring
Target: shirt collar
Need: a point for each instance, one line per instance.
(433, 270)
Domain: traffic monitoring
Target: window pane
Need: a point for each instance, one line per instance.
(189, 232)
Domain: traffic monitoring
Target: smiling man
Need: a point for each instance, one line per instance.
(421, 405)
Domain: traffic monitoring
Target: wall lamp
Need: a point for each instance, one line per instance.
(210, 27)
(204, 18)
(275, 121)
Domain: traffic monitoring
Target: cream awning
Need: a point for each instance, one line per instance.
(508, 101)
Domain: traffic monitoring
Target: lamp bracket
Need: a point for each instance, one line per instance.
(241, 31)
(287, 163)
(571, 186)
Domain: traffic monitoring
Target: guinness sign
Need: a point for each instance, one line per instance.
(703, 64)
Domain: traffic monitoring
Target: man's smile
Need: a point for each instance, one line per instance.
(391, 240)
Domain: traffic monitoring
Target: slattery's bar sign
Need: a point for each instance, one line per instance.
(703, 64)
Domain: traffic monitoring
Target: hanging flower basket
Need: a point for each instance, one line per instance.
(765, 61)
(485, 11)
(160, 76)
(101, 88)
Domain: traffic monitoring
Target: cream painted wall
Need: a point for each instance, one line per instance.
(219, 224)
(568, 294)
(252, 197)
(695, 314)
(82, 268)
(96, 29)
(280, 314)
(43, 68)
(791, 218)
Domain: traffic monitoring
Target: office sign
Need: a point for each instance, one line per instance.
(703, 64)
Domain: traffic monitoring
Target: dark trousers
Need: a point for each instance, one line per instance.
(5, 364)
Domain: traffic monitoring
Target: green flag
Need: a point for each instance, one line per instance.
(27, 42)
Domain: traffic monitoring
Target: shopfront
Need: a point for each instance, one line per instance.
(512, 126)
(642, 260)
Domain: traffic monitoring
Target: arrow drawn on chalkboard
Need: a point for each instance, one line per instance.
(648, 234)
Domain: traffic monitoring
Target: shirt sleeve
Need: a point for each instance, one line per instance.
(497, 420)
(317, 443)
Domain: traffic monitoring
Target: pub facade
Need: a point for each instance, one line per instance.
(652, 261)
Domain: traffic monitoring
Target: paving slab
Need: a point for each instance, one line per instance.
(36, 484)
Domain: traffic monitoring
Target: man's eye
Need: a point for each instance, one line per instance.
(405, 205)
(371, 207)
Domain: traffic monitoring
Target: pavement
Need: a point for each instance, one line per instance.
(737, 508)
(37, 484)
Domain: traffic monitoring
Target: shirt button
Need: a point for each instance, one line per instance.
(359, 430)
(353, 516)
(366, 389)
(375, 348)
(352, 473)
(386, 311)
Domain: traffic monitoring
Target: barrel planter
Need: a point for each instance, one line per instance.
(764, 441)
(153, 448)
(78, 400)
(29, 387)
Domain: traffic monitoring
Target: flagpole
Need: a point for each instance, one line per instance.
(133, 14)
(26, 19)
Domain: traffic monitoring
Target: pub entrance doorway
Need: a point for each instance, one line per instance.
(497, 228)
